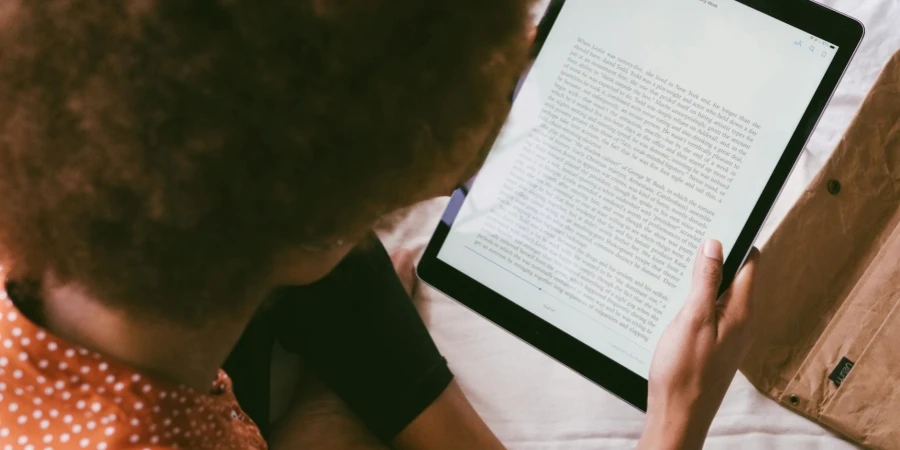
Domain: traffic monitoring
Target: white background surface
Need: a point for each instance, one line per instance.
(532, 402)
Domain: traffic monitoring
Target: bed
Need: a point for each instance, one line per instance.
(532, 402)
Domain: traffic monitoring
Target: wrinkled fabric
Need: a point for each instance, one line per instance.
(829, 285)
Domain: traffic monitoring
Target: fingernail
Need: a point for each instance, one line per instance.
(713, 249)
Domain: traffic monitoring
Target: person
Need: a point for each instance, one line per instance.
(172, 171)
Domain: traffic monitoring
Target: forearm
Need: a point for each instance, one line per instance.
(672, 430)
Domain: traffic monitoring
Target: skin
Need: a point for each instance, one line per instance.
(699, 353)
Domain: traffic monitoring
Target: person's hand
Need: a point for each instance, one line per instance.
(698, 355)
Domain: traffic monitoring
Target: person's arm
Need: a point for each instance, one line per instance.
(698, 355)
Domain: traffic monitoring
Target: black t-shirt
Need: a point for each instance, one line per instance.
(360, 332)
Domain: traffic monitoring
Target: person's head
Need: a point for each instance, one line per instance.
(174, 158)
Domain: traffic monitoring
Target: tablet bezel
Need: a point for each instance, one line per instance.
(816, 19)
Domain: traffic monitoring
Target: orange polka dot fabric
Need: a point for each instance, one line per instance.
(54, 395)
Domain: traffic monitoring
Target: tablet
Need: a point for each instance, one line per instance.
(642, 128)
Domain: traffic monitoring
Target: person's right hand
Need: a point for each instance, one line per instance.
(699, 354)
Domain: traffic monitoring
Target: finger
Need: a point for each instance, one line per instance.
(701, 303)
(737, 310)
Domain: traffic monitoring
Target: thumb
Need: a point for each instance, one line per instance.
(738, 312)
(701, 303)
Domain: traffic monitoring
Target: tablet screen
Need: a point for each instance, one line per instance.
(643, 127)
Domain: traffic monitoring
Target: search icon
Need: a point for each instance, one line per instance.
(812, 48)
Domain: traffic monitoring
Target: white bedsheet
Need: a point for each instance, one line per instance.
(532, 402)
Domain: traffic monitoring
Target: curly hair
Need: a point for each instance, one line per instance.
(159, 152)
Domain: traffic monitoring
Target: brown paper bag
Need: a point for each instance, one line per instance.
(829, 285)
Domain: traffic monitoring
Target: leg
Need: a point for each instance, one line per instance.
(320, 419)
